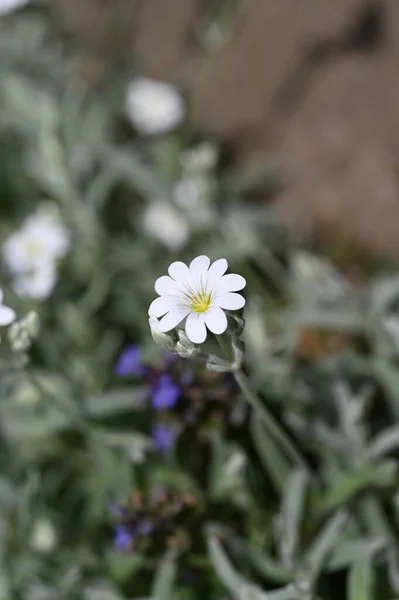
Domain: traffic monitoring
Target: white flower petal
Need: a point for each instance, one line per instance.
(216, 320)
(164, 304)
(229, 301)
(172, 319)
(165, 285)
(232, 283)
(215, 272)
(153, 106)
(7, 315)
(164, 223)
(195, 327)
(199, 265)
(179, 271)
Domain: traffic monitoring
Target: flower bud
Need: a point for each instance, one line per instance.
(185, 347)
(236, 325)
(23, 332)
(165, 340)
(238, 351)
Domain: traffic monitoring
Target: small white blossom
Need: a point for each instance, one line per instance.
(7, 315)
(164, 223)
(43, 537)
(32, 252)
(38, 283)
(7, 6)
(198, 294)
(200, 158)
(192, 195)
(153, 106)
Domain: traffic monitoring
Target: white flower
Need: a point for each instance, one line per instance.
(7, 6)
(38, 283)
(32, 252)
(200, 158)
(163, 222)
(7, 315)
(153, 106)
(43, 537)
(192, 195)
(41, 237)
(199, 293)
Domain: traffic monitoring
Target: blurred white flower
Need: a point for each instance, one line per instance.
(200, 294)
(193, 194)
(38, 283)
(7, 6)
(7, 315)
(153, 106)
(164, 223)
(189, 192)
(200, 158)
(43, 537)
(32, 252)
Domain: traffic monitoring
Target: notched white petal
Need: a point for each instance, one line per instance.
(7, 315)
(216, 270)
(216, 320)
(232, 282)
(165, 285)
(199, 265)
(172, 319)
(229, 301)
(178, 270)
(161, 305)
(195, 328)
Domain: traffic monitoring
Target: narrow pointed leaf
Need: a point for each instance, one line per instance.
(361, 580)
(162, 588)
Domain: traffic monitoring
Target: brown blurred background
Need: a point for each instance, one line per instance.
(313, 84)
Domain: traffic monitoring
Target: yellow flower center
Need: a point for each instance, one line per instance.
(32, 247)
(200, 301)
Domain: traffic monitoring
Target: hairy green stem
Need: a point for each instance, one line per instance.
(268, 420)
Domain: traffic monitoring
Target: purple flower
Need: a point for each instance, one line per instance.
(116, 509)
(123, 538)
(129, 362)
(165, 393)
(163, 436)
(144, 528)
(186, 378)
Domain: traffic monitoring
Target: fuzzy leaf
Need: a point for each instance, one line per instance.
(324, 544)
(291, 515)
(165, 575)
(361, 580)
(273, 460)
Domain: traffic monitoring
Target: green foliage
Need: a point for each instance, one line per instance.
(310, 514)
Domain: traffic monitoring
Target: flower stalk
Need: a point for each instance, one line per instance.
(268, 420)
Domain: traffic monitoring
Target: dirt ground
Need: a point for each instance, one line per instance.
(313, 83)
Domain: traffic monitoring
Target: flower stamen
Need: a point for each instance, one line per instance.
(200, 301)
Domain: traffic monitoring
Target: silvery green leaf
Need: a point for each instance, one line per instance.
(222, 564)
(347, 552)
(128, 167)
(273, 460)
(387, 375)
(382, 291)
(349, 485)
(226, 469)
(361, 581)
(289, 522)
(384, 443)
(321, 549)
(165, 575)
(264, 564)
(117, 401)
